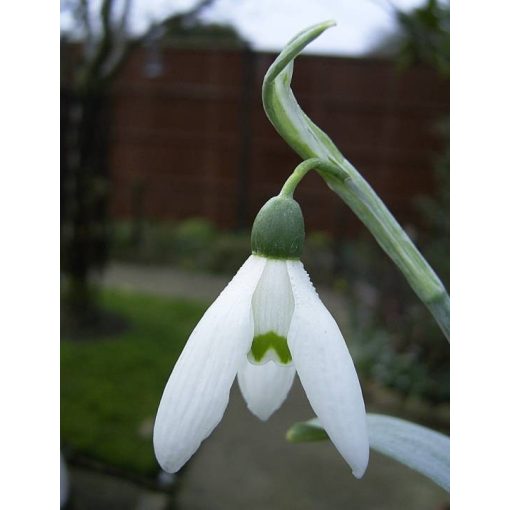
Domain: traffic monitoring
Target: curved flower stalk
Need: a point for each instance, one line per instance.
(309, 141)
(265, 326)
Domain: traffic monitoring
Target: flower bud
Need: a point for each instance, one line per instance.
(278, 230)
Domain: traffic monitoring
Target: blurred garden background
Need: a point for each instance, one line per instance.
(166, 157)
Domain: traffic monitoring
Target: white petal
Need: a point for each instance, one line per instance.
(265, 387)
(197, 392)
(273, 303)
(327, 372)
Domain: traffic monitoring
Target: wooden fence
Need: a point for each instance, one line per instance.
(194, 140)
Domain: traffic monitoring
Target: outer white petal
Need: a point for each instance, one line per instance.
(265, 387)
(197, 391)
(327, 372)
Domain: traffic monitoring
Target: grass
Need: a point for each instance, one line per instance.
(111, 386)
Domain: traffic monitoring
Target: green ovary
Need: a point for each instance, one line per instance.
(263, 343)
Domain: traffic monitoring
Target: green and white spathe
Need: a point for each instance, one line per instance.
(267, 324)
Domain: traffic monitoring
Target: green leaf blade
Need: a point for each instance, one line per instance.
(309, 141)
(306, 431)
(419, 448)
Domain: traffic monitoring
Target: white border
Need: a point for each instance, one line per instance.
(480, 254)
(29, 216)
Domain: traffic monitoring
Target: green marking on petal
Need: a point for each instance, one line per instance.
(263, 343)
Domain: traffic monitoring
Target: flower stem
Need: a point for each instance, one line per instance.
(303, 168)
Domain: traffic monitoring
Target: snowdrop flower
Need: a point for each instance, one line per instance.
(267, 324)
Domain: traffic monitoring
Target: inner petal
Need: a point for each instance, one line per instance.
(273, 306)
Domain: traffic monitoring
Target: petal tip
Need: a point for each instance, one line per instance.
(167, 464)
(359, 468)
(263, 413)
(359, 472)
(261, 416)
(169, 468)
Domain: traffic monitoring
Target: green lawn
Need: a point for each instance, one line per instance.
(111, 386)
